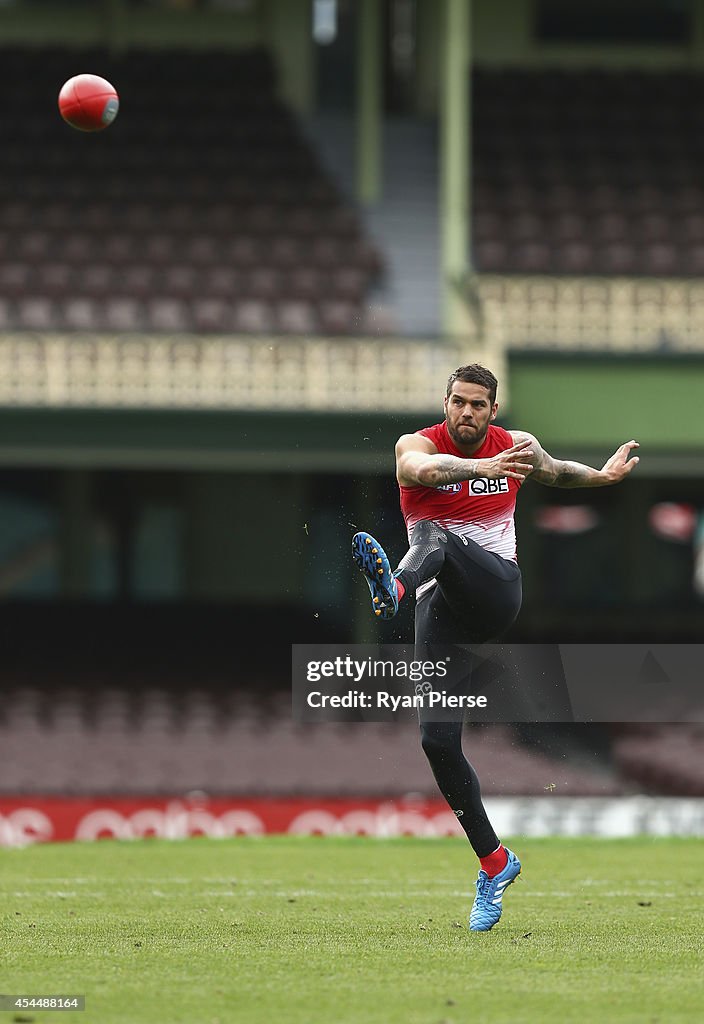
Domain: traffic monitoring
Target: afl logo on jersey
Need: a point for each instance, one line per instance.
(482, 485)
(450, 488)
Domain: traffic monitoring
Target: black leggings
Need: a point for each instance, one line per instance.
(477, 595)
(476, 598)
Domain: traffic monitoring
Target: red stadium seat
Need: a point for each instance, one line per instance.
(80, 314)
(98, 216)
(617, 258)
(263, 283)
(610, 227)
(337, 317)
(6, 318)
(212, 315)
(180, 281)
(16, 213)
(201, 249)
(653, 227)
(15, 279)
(490, 256)
(34, 245)
(326, 253)
(660, 259)
(526, 226)
(164, 314)
(532, 258)
(54, 278)
(566, 226)
(243, 251)
(574, 257)
(487, 225)
(97, 279)
(159, 248)
(177, 217)
(348, 283)
(253, 317)
(36, 313)
(691, 229)
(261, 219)
(138, 280)
(123, 314)
(693, 261)
(139, 217)
(222, 281)
(285, 252)
(58, 216)
(303, 283)
(305, 221)
(118, 247)
(295, 317)
(78, 247)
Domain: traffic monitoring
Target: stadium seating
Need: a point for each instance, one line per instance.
(213, 195)
(102, 737)
(664, 759)
(221, 197)
(587, 172)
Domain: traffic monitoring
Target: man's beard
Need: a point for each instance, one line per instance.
(476, 438)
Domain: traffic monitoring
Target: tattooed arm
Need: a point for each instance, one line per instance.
(559, 473)
(418, 463)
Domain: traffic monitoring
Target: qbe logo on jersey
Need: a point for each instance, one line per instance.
(482, 485)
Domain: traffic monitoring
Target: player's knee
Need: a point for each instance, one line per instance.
(440, 739)
(425, 557)
(427, 532)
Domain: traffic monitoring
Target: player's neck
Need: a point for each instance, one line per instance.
(467, 450)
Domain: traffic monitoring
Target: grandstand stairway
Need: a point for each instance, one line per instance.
(404, 223)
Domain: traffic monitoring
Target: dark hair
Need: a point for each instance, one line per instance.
(474, 374)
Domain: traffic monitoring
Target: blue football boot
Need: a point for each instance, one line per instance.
(370, 557)
(487, 903)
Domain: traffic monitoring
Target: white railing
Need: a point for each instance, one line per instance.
(606, 314)
(509, 313)
(190, 371)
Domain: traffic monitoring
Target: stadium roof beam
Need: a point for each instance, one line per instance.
(369, 103)
(454, 161)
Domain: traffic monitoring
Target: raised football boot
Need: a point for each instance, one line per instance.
(370, 557)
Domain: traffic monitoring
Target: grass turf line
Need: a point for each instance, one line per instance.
(358, 931)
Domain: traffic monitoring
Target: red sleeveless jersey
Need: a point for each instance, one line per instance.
(481, 509)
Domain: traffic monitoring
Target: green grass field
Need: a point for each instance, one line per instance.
(306, 930)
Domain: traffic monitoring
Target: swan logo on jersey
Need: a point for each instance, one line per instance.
(450, 488)
(482, 485)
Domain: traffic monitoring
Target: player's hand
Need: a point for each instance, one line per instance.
(513, 462)
(620, 465)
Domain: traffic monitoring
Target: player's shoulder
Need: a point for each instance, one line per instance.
(415, 442)
(424, 439)
(522, 435)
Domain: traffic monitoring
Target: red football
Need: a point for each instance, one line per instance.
(88, 102)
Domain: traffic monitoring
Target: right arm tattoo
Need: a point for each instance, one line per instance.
(446, 469)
